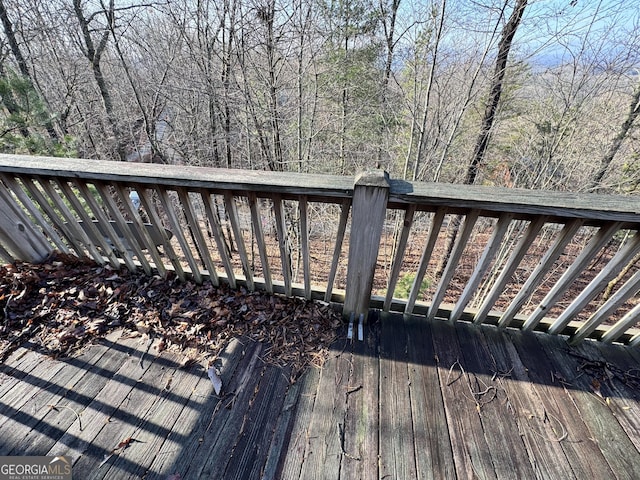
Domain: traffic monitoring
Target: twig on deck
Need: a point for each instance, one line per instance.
(457, 362)
(146, 351)
(341, 433)
(57, 407)
(545, 419)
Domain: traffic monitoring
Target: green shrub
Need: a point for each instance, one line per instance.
(403, 287)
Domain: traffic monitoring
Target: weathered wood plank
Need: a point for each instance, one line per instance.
(298, 443)
(397, 448)
(538, 428)
(84, 400)
(471, 454)
(50, 414)
(517, 200)
(361, 424)
(156, 425)
(425, 194)
(324, 451)
(225, 422)
(500, 429)
(191, 434)
(613, 369)
(16, 408)
(293, 183)
(124, 423)
(282, 433)
(16, 366)
(618, 450)
(250, 451)
(557, 405)
(434, 456)
(103, 409)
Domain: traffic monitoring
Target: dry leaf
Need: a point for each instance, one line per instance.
(125, 443)
(595, 386)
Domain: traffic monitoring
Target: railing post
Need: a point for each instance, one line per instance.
(18, 235)
(369, 205)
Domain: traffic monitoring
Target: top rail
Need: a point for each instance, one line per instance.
(558, 262)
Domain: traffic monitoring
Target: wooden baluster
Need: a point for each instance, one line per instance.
(517, 255)
(193, 224)
(34, 211)
(234, 219)
(91, 229)
(434, 232)
(597, 242)
(256, 220)
(106, 192)
(304, 244)
(397, 261)
(605, 275)
(75, 234)
(337, 248)
(461, 242)
(488, 254)
(281, 230)
(562, 240)
(149, 205)
(218, 236)
(624, 293)
(21, 237)
(176, 228)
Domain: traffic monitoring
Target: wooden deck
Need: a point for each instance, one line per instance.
(415, 400)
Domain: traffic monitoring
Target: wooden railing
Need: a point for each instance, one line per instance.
(557, 262)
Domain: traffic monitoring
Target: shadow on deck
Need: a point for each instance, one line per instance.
(416, 399)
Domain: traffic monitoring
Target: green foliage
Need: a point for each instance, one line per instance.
(24, 119)
(403, 287)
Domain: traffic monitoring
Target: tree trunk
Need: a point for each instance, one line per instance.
(94, 53)
(495, 92)
(482, 142)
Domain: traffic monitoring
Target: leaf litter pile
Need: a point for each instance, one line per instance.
(66, 303)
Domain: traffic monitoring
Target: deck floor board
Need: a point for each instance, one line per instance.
(416, 399)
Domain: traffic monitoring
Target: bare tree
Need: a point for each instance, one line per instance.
(93, 49)
(506, 39)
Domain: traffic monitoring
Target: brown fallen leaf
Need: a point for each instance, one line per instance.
(595, 386)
